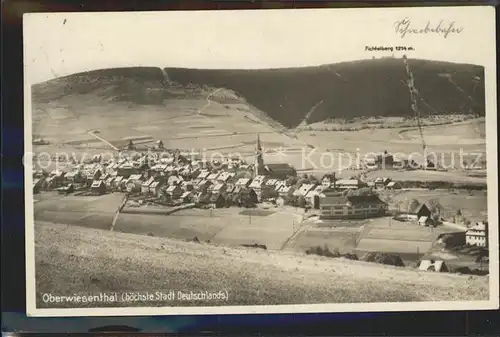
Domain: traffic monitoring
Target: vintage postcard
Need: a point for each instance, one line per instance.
(266, 161)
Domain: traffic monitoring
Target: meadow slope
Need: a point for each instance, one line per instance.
(73, 260)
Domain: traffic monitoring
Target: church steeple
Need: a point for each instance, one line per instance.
(259, 160)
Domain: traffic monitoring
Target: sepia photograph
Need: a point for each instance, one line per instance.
(260, 161)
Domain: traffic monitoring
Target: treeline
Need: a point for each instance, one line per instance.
(443, 185)
(361, 88)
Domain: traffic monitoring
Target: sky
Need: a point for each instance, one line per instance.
(59, 44)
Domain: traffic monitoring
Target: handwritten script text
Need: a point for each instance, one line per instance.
(406, 27)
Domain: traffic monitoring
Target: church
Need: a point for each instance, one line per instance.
(271, 171)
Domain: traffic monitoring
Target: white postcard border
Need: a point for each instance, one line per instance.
(492, 182)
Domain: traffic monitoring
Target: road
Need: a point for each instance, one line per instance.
(92, 133)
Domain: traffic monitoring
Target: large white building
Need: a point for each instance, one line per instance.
(477, 235)
(337, 205)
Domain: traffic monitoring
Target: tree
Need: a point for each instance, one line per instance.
(292, 181)
(246, 200)
(291, 200)
(228, 201)
(413, 204)
(436, 219)
(268, 193)
(435, 207)
(301, 202)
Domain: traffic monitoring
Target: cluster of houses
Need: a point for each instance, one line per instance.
(175, 179)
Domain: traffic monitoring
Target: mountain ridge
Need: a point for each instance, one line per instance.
(375, 87)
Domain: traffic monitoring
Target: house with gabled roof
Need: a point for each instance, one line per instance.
(72, 177)
(381, 182)
(313, 196)
(169, 169)
(203, 174)
(218, 187)
(37, 185)
(217, 200)
(230, 188)
(338, 205)
(136, 178)
(433, 265)
(258, 182)
(328, 180)
(477, 235)
(155, 188)
(145, 185)
(278, 184)
(203, 185)
(174, 191)
(109, 182)
(393, 185)
(243, 182)
(418, 209)
(280, 170)
(286, 191)
(213, 176)
(188, 185)
(348, 184)
(93, 174)
(66, 189)
(225, 176)
(303, 190)
(98, 187)
(187, 196)
(104, 176)
(271, 183)
(174, 180)
(118, 182)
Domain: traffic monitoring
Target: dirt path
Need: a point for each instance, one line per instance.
(304, 225)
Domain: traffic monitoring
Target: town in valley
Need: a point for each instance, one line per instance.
(195, 181)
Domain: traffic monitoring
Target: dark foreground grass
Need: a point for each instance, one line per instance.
(80, 261)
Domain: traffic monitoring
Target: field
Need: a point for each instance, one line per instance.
(76, 260)
(446, 141)
(91, 212)
(228, 226)
(372, 235)
(342, 239)
(194, 124)
(277, 228)
(473, 205)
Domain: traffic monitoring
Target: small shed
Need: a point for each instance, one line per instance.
(187, 196)
(145, 185)
(98, 187)
(394, 185)
(174, 191)
(155, 188)
(66, 189)
(432, 265)
(217, 200)
(424, 221)
(37, 185)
